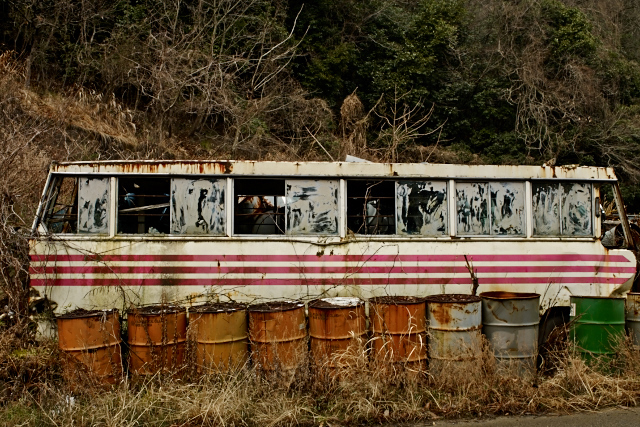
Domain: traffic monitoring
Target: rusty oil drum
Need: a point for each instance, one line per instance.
(90, 342)
(334, 324)
(632, 317)
(399, 326)
(455, 329)
(221, 335)
(278, 335)
(157, 338)
(510, 321)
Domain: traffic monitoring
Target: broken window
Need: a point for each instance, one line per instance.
(197, 206)
(507, 208)
(472, 208)
(93, 205)
(143, 205)
(562, 209)
(421, 208)
(371, 207)
(61, 215)
(576, 209)
(506, 216)
(312, 206)
(259, 206)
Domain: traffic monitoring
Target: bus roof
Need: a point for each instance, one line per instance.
(332, 169)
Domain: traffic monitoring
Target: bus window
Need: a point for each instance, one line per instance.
(576, 209)
(507, 208)
(371, 207)
(562, 209)
(259, 206)
(143, 205)
(93, 205)
(62, 212)
(312, 207)
(472, 208)
(197, 206)
(421, 208)
(546, 209)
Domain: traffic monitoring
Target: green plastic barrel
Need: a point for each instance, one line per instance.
(598, 325)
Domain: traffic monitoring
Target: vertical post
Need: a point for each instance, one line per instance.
(528, 208)
(113, 206)
(452, 207)
(342, 215)
(229, 207)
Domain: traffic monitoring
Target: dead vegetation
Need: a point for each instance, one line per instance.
(361, 392)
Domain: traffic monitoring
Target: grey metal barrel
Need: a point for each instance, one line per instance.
(455, 323)
(632, 316)
(510, 322)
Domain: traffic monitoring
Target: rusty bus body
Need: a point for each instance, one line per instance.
(112, 234)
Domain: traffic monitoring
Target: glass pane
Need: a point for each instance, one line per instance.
(507, 208)
(546, 209)
(197, 206)
(312, 206)
(93, 205)
(421, 208)
(472, 208)
(576, 209)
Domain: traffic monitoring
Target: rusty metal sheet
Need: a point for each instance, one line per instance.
(546, 209)
(333, 169)
(576, 209)
(472, 208)
(421, 208)
(93, 205)
(197, 206)
(312, 206)
(507, 208)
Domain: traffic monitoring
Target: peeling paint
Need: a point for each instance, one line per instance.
(507, 208)
(576, 209)
(546, 209)
(93, 205)
(472, 208)
(197, 206)
(312, 206)
(421, 208)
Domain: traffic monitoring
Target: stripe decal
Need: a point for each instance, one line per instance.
(325, 270)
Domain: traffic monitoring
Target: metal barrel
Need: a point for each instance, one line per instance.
(277, 333)
(334, 324)
(632, 316)
(399, 326)
(221, 336)
(90, 342)
(510, 321)
(157, 338)
(598, 325)
(455, 329)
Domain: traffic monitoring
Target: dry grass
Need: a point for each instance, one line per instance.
(362, 392)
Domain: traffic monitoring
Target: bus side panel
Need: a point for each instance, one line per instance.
(108, 273)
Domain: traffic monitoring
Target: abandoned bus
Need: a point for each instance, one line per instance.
(112, 234)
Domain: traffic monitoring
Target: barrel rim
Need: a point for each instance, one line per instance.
(505, 295)
(275, 306)
(81, 313)
(442, 298)
(397, 300)
(156, 309)
(324, 303)
(596, 297)
(218, 307)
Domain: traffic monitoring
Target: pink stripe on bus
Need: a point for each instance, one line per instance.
(335, 258)
(366, 269)
(325, 281)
